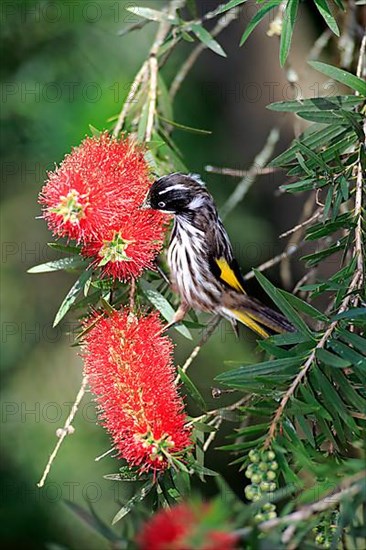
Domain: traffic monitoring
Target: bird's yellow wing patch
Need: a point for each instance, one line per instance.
(249, 321)
(228, 275)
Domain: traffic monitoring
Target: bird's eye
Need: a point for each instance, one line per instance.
(161, 204)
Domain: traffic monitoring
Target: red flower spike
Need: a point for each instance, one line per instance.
(127, 248)
(129, 367)
(94, 196)
(187, 527)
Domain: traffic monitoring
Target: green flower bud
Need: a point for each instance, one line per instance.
(254, 456)
(269, 455)
(259, 518)
(272, 487)
(271, 475)
(273, 465)
(256, 478)
(271, 515)
(265, 486)
(269, 507)
(263, 466)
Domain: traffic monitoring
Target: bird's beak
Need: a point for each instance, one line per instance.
(146, 204)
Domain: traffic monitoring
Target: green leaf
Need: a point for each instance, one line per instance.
(92, 520)
(192, 389)
(152, 15)
(331, 359)
(325, 12)
(71, 296)
(347, 353)
(320, 230)
(138, 497)
(314, 259)
(68, 249)
(205, 37)
(258, 18)
(340, 75)
(164, 101)
(283, 304)
(288, 22)
(352, 313)
(162, 305)
(230, 5)
(241, 376)
(355, 340)
(141, 130)
(329, 104)
(64, 263)
(304, 307)
(315, 136)
(186, 128)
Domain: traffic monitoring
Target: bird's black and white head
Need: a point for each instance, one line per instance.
(178, 194)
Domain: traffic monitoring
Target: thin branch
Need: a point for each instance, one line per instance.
(130, 97)
(132, 295)
(273, 261)
(219, 411)
(64, 431)
(259, 162)
(301, 225)
(359, 182)
(285, 267)
(206, 335)
(309, 363)
(149, 67)
(222, 23)
(240, 173)
(349, 488)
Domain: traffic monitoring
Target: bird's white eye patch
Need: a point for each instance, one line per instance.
(177, 187)
(161, 204)
(197, 202)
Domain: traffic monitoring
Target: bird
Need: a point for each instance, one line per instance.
(203, 269)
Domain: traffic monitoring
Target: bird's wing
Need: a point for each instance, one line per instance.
(228, 273)
(223, 265)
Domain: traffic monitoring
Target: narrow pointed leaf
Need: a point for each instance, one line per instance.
(327, 15)
(340, 75)
(283, 304)
(138, 497)
(288, 22)
(162, 305)
(205, 37)
(71, 296)
(192, 389)
(258, 18)
(57, 265)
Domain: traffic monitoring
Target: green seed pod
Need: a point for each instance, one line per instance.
(269, 507)
(265, 486)
(254, 456)
(263, 466)
(269, 455)
(256, 478)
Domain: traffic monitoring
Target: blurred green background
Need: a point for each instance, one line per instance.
(66, 67)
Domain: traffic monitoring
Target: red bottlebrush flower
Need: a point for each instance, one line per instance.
(129, 367)
(188, 527)
(94, 196)
(128, 247)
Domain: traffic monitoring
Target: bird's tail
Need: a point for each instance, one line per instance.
(256, 316)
